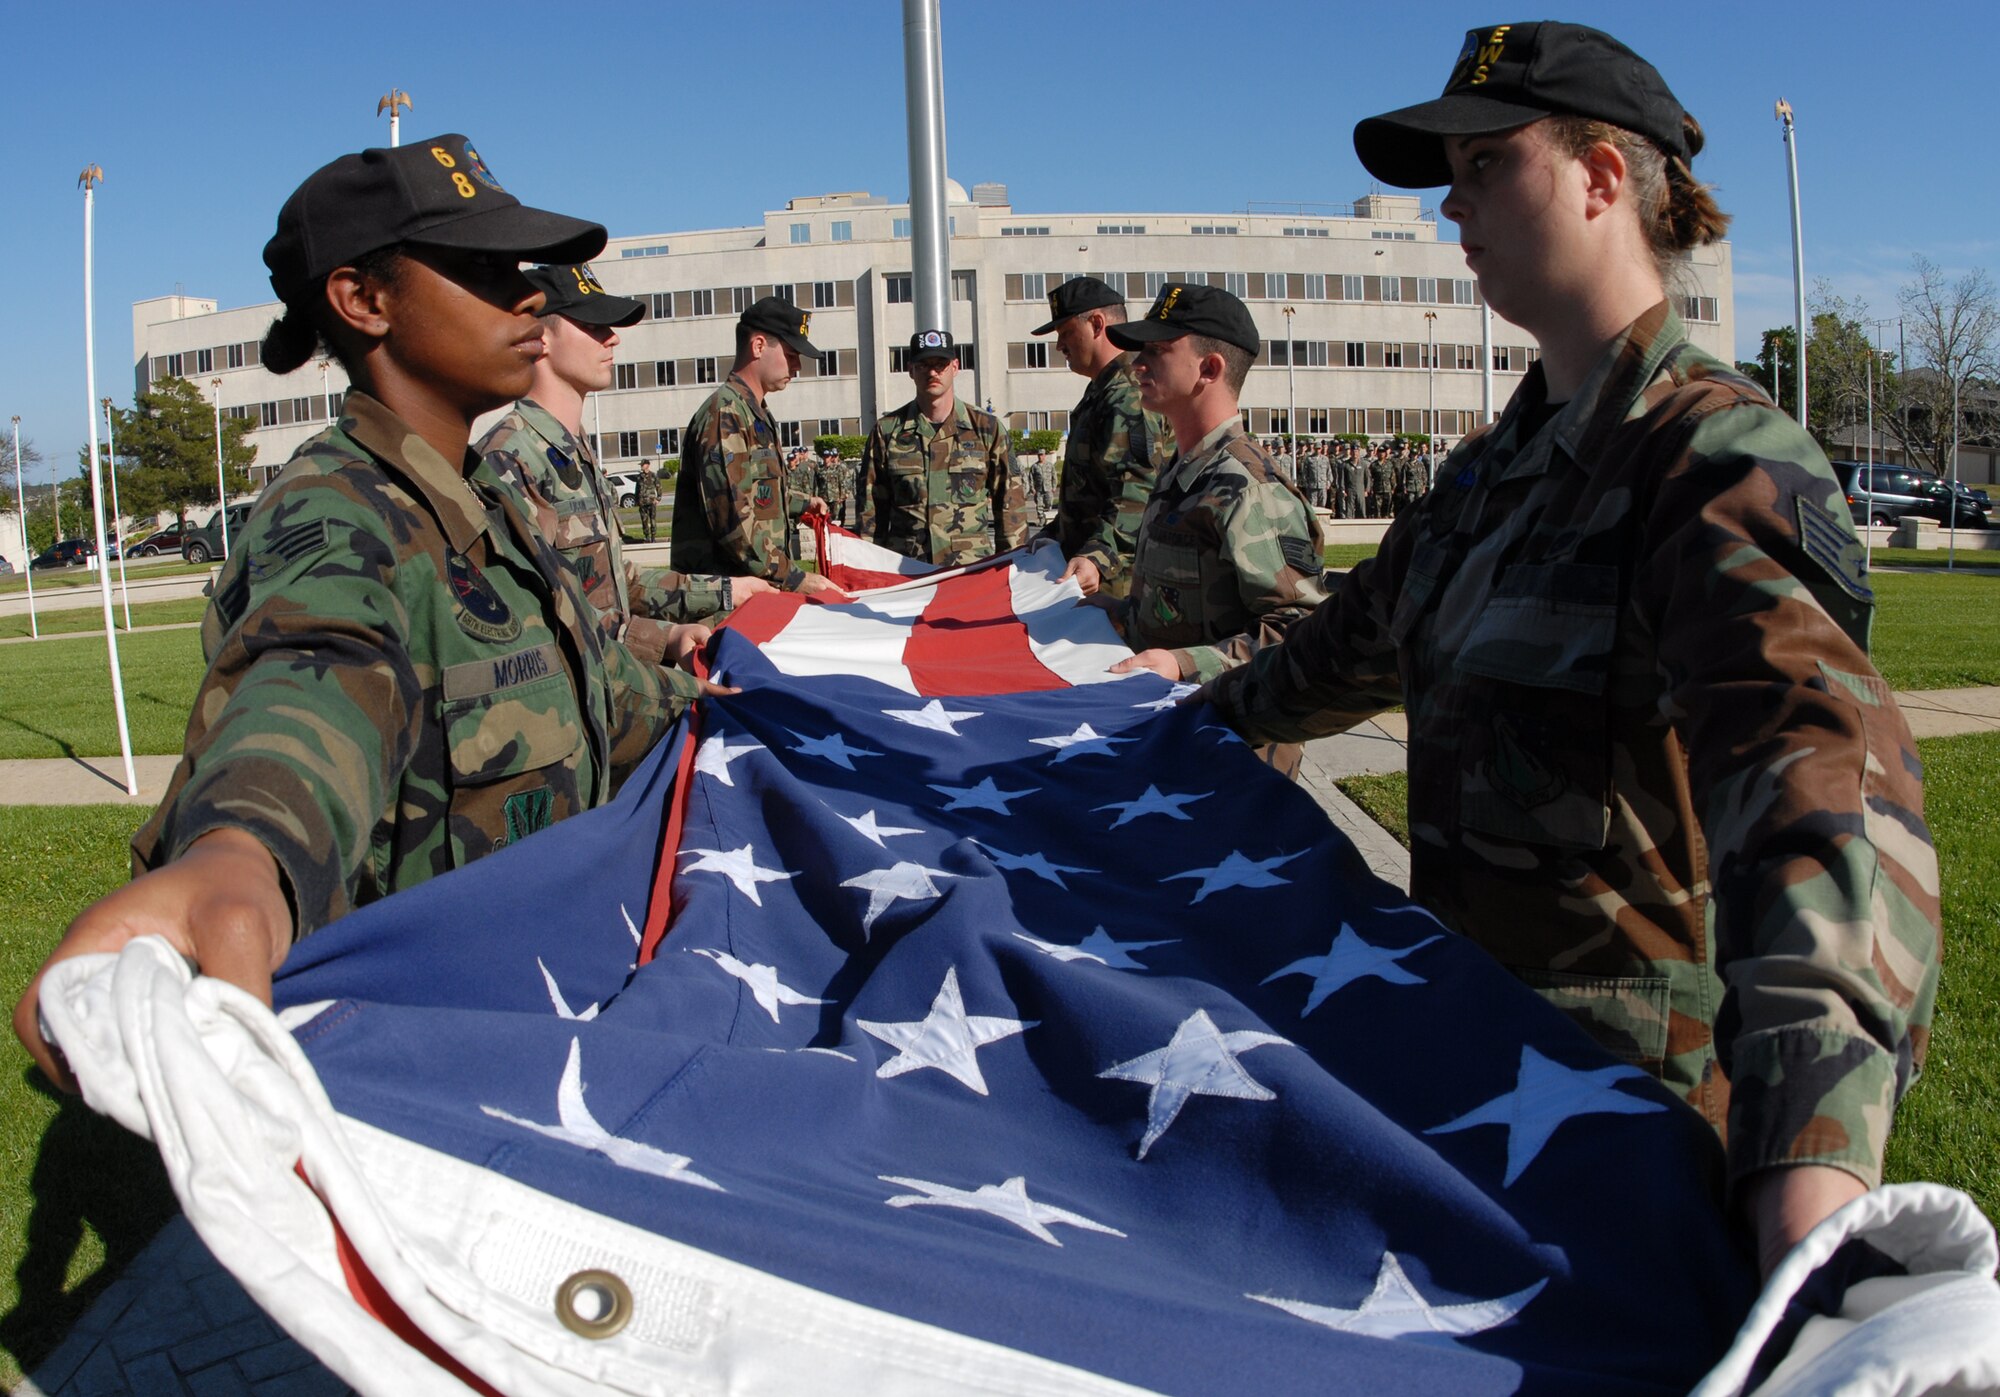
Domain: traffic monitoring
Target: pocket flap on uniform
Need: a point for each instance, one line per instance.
(1548, 625)
(1626, 1014)
(508, 715)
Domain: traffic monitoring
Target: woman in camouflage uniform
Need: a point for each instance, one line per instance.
(402, 675)
(1651, 767)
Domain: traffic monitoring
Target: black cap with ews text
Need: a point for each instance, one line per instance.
(932, 344)
(435, 193)
(1074, 297)
(1508, 75)
(1190, 310)
(775, 315)
(573, 290)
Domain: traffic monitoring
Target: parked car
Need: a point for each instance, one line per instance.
(6, 568)
(1881, 494)
(624, 487)
(67, 553)
(158, 542)
(205, 543)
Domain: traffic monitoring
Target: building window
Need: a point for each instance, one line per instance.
(704, 371)
(652, 250)
(1025, 231)
(802, 233)
(961, 286)
(665, 373)
(1319, 421)
(900, 290)
(968, 357)
(1392, 288)
(624, 375)
(1315, 286)
(1352, 288)
(234, 356)
(1156, 282)
(1236, 284)
(829, 363)
(1039, 422)
(267, 414)
(741, 298)
(1034, 286)
(1357, 354)
(829, 426)
(1109, 230)
(1274, 286)
(823, 295)
(1392, 420)
(843, 231)
(1309, 354)
(899, 228)
(1503, 358)
(1702, 308)
(1467, 356)
(1382, 235)
(1277, 353)
(1281, 421)
(704, 301)
(670, 441)
(1392, 355)
(1427, 290)
(1214, 230)
(1035, 354)
(791, 434)
(899, 359)
(662, 305)
(1306, 232)
(628, 444)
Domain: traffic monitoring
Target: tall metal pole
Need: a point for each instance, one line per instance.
(1951, 545)
(117, 514)
(221, 490)
(1798, 257)
(1868, 521)
(395, 97)
(923, 103)
(1902, 366)
(89, 179)
(1292, 389)
(27, 553)
(1486, 364)
(1431, 363)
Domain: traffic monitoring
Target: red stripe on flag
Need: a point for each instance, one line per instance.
(764, 615)
(660, 905)
(969, 641)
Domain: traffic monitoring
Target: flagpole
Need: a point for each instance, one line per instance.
(1798, 257)
(221, 490)
(27, 553)
(395, 97)
(923, 116)
(89, 179)
(117, 515)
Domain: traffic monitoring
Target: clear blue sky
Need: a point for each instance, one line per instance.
(691, 115)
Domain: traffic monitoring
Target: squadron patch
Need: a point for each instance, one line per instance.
(287, 546)
(480, 172)
(1302, 556)
(766, 494)
(528, 811)
(476, 607)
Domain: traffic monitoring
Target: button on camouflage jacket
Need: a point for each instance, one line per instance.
(733, 514)
(1114, 453)
(949, 492)
(1651, 767)
(576, 510)
(402, 676)
(1229, 556)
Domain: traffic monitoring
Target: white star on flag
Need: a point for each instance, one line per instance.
(765, 986)
(947, 1038)
(833, 747)
(1347, 960)
(933, 715)
(578, 1127)
(1224, 734)
(739, 866)
(1084, 740)
(1545, 1095)
(715, 754)
(884, 886)
(984, 796)
(1172, 699)
(1036, 864)
(1395, 1310)
(1007, 1201)
(867, 828)
(1236, 872)
(1097, 946)
(1153, 803)
(1200, 1060)
(563, 1010)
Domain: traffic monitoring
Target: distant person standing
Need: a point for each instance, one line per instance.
(647, 495)
(1354, 478)
(1114, 447)
(733, 511)
(1319, 473)
(941, 472)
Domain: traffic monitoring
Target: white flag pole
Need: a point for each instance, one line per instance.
(1798, 257)
(89, 179)
(27, 553)
(117, 515)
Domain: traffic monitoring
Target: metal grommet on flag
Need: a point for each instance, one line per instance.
(594, 1304)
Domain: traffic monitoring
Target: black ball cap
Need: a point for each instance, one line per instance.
(434, 193)
(573, 290)
(932, 344)
(1074, 297)
(1190, 310)
(774, 315)
(1508, 75)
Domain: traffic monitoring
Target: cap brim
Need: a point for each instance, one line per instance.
(1044, 329)
(1134, 333)
(614, 311)
(1405, 148)
(532, 235)
(798, 343)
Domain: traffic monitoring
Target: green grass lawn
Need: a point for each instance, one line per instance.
(90, 618)
(1927, 558)
(64, 579)
(1948, 1127)
(1934, 631)
(55, 694)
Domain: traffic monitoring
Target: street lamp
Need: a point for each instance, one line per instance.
(1292, 387)
(1431, 363)
(221, 492)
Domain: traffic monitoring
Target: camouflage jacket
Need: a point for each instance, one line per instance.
(836, 482)
(949, 492)
(1651, 767)
(1382, 475)
(647, 489)
(577, 512)
(1229, 555)
(1114, 453)
(402, 676)
(733, 512)
(1319, 471)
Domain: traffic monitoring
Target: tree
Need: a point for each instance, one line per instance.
(1774, 367)
(1839, 384)
(169, 440)
(30, 457)
(1954, 335)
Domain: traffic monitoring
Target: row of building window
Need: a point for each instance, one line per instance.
(287, 412)
(1269, 286)
(1390, 354)
(654, 443)
(193, 363)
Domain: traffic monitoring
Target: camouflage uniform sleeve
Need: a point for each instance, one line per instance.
(666, 595)
(726, 460)
(645, 701)
(1010, 496)
(1824, 883)
(310, 705)
(869, 513)
(1136, 443)
(1271, 547)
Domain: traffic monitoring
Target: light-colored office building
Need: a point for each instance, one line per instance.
(1370, 318)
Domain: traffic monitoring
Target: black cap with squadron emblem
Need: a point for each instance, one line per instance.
(1508, 75)
(1208, 311)
(573, 290)
(932, 344)
(1074, 297)
(434, 193)
(774, 315)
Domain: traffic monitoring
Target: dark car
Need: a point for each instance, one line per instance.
(158, 542)
(205, 543)
(68, 553)
(1882, 494)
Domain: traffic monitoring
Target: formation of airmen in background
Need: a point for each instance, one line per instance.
(1355, 480)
